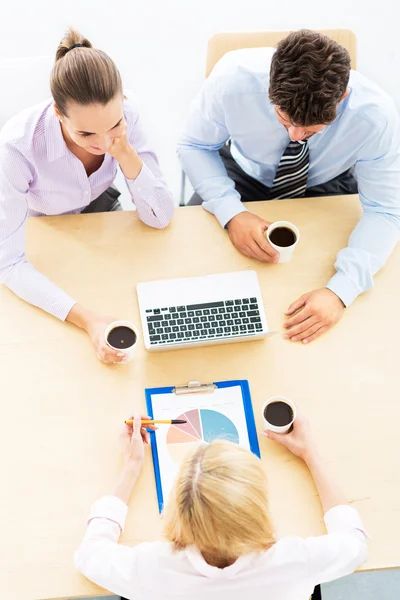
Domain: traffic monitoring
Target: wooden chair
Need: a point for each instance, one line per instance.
(221, 43)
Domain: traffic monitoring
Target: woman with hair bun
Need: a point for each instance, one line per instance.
(61, 157)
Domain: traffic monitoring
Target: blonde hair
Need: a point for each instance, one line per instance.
(219, 504)
(82, 74)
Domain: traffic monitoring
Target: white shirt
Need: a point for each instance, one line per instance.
(154, 571)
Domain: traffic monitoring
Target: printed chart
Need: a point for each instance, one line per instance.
(220, 415)
(202, 425)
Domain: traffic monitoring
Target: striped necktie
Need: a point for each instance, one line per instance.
(291, 175)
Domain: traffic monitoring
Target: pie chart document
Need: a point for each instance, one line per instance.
(219, 415)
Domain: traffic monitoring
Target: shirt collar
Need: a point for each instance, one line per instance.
(198, 562)
(55, 144)
(339, 112)
(343, 104)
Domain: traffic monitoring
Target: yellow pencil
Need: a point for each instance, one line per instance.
(159, 421)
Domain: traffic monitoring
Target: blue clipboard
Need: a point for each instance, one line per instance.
(248, 411)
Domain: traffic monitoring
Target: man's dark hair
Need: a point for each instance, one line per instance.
(308, 78)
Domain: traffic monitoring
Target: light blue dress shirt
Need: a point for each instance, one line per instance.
(233, 104)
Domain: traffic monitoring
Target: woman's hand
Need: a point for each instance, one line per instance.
(128, 159)
(120, 145)
(96, 327)
(133, 438)
(299, 441)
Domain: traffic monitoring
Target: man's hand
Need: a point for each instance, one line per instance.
(316, 312)
(247, 233)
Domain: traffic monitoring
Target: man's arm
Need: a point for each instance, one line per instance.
(370, 244)
(378, 231)
(204, 134)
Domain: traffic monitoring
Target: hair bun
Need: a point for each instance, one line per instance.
(71, 37)
(86, 76)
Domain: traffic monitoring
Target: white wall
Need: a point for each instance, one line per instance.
(160, 45)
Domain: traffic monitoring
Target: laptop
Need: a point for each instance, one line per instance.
(213, 309)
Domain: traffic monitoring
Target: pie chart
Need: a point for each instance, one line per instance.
(203, 425)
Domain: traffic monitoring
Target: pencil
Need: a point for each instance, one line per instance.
(159, 421)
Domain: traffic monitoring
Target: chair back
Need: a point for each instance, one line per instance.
(221, 43)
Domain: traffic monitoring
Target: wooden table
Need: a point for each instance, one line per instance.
(62, 409)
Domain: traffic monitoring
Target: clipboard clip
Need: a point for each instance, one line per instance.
(194, 387)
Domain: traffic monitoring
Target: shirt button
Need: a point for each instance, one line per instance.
(86, 193)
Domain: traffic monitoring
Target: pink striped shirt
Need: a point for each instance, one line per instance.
(40, 176)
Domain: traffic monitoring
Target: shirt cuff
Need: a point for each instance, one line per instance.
(343, 518)
(111, 508)
(65, 308)
(226, 209)
(344, 288)
(144, 180)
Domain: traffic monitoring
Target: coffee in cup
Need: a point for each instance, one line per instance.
(283, 236)
(122, 336)
(279, 414)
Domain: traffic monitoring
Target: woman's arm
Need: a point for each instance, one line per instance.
(133, 439)
(344, 548)
(300, 442)
(16, 273)
(100, 558)
(328, 490)
(138, 161)
(20, 276)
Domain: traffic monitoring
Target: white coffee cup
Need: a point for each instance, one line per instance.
(130, 351)
(285, 252)
(278, 428)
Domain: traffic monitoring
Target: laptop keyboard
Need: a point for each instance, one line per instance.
(213, 320)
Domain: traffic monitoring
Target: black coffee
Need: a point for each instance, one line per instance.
(121, 337)
(283, 237)
(278, 413)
